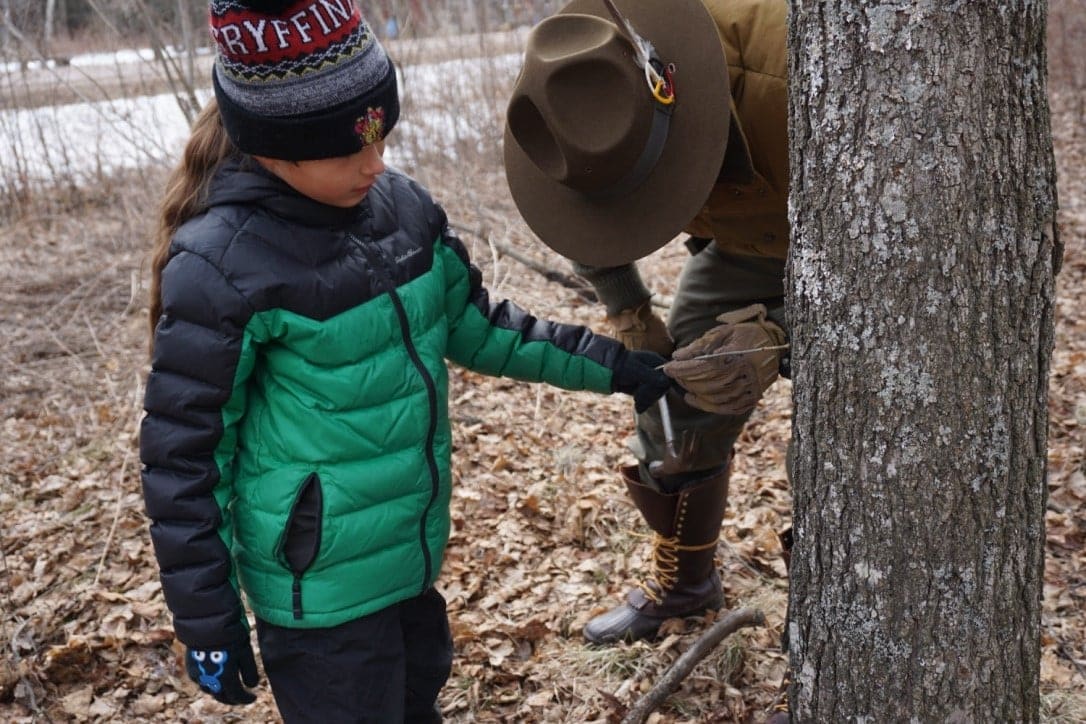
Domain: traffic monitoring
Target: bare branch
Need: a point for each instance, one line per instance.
(674, 676)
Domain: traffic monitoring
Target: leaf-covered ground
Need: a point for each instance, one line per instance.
(543, 534)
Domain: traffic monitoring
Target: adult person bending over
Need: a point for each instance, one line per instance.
(630, 122)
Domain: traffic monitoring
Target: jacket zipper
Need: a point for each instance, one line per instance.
(297, 571)
(431, 389)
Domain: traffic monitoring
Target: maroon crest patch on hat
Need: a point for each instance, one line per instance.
(371, 127)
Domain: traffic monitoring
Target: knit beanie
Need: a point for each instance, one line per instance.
(300, 79)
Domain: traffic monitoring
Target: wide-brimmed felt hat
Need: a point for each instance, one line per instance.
(608, 161)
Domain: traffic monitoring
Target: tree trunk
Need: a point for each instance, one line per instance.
(921, 282)
(6, 49)
(49, 27)
(188, 42)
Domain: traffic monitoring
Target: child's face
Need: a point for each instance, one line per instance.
(341, 181)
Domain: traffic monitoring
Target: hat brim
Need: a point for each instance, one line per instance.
(616, 231)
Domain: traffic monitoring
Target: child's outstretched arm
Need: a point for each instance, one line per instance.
(502, 339)
(194, 398)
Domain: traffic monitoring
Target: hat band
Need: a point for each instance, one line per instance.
(650, 154)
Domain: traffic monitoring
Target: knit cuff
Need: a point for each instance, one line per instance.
(618, 287)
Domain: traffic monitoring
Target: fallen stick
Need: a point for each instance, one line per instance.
(569, 281)
(674, 676)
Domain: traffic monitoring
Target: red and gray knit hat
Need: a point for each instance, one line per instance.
(301, 79)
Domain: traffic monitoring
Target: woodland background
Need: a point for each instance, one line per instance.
(543, 536)
(64, 25)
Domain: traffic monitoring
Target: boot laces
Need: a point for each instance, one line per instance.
(665, 565)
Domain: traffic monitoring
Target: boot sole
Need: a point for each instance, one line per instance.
(627, 637)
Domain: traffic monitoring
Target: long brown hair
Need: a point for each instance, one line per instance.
(186, 192)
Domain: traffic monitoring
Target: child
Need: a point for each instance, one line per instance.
(296, 443)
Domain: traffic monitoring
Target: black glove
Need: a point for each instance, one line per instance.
(635, 373)
(221, 672)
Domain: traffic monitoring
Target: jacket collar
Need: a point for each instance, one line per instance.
(241, 180)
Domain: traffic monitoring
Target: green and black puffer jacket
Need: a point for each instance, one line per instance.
(296, 436)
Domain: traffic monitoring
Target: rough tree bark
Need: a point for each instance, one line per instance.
(921, 286)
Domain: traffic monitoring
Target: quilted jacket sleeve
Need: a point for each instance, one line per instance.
(195, 396)
(500, 338)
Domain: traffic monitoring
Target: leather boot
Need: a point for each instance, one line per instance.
(684, 580)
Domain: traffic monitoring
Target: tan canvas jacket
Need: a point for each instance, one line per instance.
(747, 211)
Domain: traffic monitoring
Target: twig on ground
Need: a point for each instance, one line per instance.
(569, 281)
(674, 676)
(123, 475)
(1064, 652)
(116, 517)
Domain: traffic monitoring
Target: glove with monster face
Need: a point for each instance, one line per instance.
(224, 673)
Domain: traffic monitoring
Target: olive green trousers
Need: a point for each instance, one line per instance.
(712, 282)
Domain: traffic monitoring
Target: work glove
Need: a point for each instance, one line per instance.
(727, 369)
(640, 328)
(221, 672)
(637, 373)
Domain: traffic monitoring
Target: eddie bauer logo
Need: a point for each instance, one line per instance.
(407, 255)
